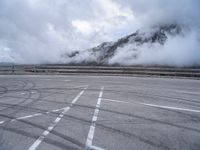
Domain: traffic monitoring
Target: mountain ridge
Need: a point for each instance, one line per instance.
(101, 54)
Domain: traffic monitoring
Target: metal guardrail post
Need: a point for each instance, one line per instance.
(13, 68)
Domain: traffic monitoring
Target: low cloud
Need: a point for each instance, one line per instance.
(40, 31)
(179, 51)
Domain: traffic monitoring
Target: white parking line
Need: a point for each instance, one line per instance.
(31, 116)
(187, 92)
(56, 110)
(153, 105)
(25, 117)
(1, 122)
(96, 148)
(173, 108)
(38, 114)
(55, 80)
(103, 99)
(67, 80)
(51, 127)
(90, 137)
(113, 100)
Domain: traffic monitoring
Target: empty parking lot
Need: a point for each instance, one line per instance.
(99, 112)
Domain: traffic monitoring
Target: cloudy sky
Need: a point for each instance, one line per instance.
(38, 31)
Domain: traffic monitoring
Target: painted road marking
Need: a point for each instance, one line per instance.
(153, 105)
(39, 114)
(118, 101)
(25, 117)
(55, 80)
(96, 148)
(103, 99)
(51, 127)
(1, 122)
(67, 80)
(31, 116)
(90, 137)
(56, 110)
(187, 92)
(172, 108)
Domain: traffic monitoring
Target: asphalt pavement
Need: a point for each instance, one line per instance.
(72, 112)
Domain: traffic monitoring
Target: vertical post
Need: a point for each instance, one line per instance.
(13, 68)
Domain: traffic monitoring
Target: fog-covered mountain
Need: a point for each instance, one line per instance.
(127, 50)
(60, 32)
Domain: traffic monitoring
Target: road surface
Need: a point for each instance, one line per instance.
(99, 112)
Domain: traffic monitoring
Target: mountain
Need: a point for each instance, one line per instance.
(102, 54)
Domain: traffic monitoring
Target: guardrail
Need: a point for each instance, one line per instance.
(100, 70)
